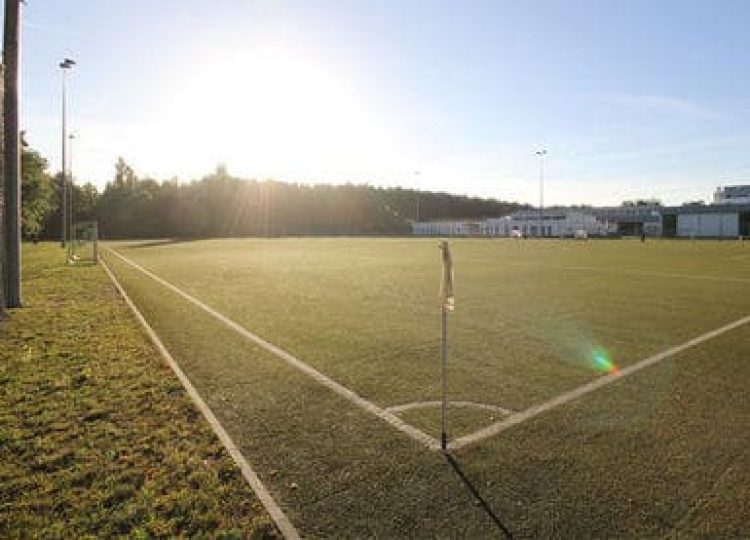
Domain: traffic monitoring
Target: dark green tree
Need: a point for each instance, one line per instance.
(220, 205)
(124, 175)
(37, 192)
(85, 199)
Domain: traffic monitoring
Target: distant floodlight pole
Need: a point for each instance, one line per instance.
(541, 153)
(10, 242)
(71, 186)
(65, 66)
(416, 177)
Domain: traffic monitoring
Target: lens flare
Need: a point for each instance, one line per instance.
(600, 361)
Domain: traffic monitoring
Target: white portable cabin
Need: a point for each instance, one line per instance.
(555, 223)
(444, 228)
(720, 225)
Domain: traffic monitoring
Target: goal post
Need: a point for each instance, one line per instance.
(83, 247)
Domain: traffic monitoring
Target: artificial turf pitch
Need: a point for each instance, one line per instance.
(661, 451)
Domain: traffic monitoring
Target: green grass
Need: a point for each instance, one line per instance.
(461, 420)
(657, 453)
(97, 437)
(365, 311)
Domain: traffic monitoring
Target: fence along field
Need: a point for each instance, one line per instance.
(533, 320)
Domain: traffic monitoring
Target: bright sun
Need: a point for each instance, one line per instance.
(272, 113)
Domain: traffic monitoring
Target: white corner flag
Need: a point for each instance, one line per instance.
(446, 287)
(448, 301)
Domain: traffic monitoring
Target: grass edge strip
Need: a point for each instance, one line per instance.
(280, 519)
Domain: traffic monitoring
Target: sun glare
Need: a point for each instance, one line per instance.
(268, 112)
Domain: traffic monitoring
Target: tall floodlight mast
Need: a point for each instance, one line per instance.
(65, 66)
(541, 153)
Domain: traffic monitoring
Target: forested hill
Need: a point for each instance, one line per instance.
(222, 205)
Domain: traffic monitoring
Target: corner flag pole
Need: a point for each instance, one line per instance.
(448, 304)
(444, 358)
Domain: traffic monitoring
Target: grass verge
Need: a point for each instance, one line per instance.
(97, 437)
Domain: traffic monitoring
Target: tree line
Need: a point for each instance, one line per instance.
(222, 205)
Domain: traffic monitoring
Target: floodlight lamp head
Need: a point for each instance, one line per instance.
(541, 152)
(67, 63)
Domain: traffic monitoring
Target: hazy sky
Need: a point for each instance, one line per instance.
(631, 98)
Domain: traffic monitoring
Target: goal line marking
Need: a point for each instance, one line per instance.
(636, 272)
(567, 397)
(277, 514)
(416, 434)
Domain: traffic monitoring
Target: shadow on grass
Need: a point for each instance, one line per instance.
(160, 242)
(478, 496)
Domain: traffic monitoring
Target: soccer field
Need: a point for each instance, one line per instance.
(596, 388)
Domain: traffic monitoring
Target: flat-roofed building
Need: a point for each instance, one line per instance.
(445, 228)
(556, 223)
(706, 221)
(631, 220)
(529, 223)
(728, 219)
(732, 195)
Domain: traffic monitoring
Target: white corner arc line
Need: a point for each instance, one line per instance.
(418, 435)
(460, 404)
(273, 509)
(562, 399)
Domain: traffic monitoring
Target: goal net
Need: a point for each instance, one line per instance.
(82, 248)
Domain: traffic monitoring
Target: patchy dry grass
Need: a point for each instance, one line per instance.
(97, 437)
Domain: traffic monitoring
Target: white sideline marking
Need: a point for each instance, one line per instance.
(653, 273)
(464, 404)
(278, 516)
(562, 399)
(416, 434)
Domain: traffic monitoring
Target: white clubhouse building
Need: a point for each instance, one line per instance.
(727, 217)
(549, 223)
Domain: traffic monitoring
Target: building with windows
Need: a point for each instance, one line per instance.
(554, 223)
(727, 217)
(445, 228)
(630, 220)
(732, 195)
(527, 223)
(706, 221)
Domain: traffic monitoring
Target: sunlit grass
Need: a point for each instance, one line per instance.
(529, 323)
(97, 437)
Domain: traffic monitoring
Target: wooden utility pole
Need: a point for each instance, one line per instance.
(12, 161)
(2, 205)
